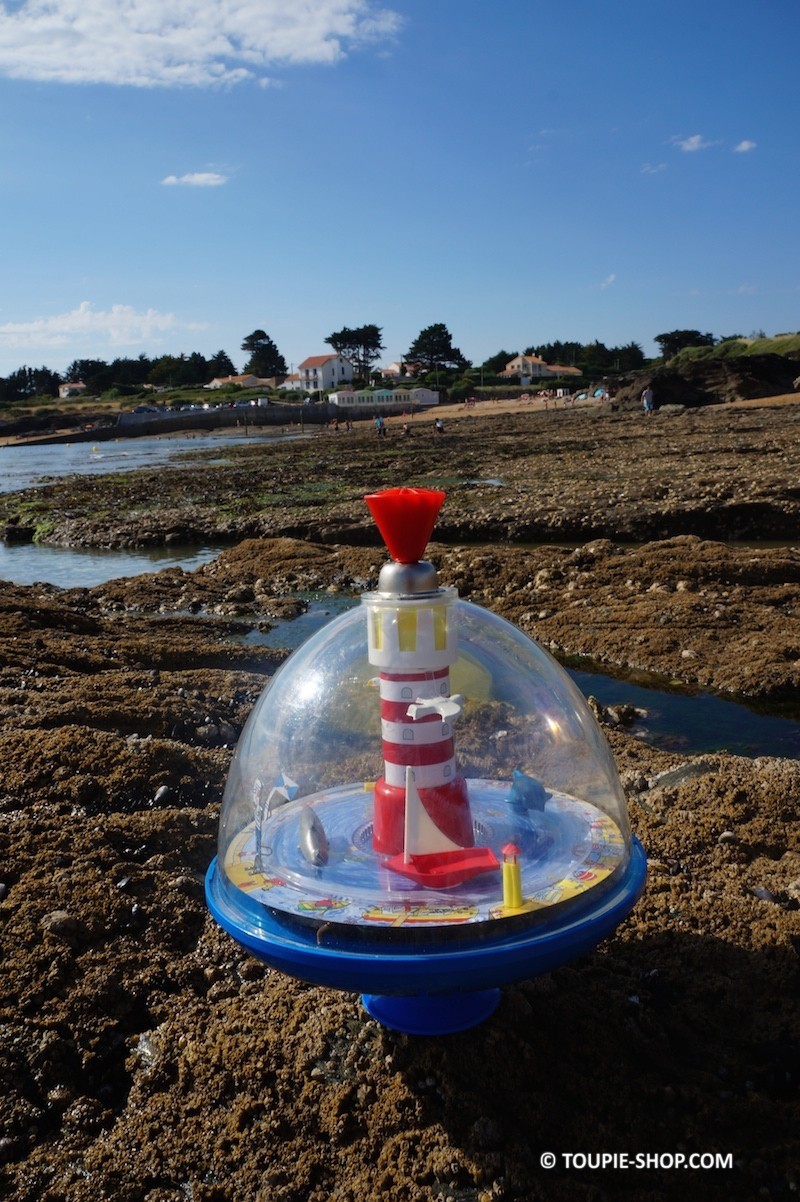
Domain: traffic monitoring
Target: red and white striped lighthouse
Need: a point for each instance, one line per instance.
(413, 640)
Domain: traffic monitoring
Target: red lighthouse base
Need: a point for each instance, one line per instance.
(441, 869)
(447, 806)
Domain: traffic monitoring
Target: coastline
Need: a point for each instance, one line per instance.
(481, 408)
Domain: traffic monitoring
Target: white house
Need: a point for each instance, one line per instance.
(527, 367)
(385, 400)
(531, 367)
(401, 368)
(70, 390)
(324, 371)
(290, 383)
(245, 381)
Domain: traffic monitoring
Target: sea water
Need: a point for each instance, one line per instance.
(30, 465)
(67, 567)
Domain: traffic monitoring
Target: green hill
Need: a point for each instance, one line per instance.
(733, 348)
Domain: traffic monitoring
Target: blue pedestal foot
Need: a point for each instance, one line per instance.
(432, 1014)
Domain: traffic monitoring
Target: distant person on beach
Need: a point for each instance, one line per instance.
(380, 425)
(648, 402)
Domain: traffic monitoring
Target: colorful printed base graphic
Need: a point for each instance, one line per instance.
(561, 853)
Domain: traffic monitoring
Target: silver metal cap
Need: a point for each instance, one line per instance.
(408, 579)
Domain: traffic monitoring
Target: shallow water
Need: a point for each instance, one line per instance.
(29, 563)
(696, 723)
(28, 466)
(673, 720)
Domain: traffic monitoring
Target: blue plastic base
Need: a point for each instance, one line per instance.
(444, 1014)
(429, 990)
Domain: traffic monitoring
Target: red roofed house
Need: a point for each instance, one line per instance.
(324, 371)
(243, 381)
(527, 367)
(530, 367)
(76, 388)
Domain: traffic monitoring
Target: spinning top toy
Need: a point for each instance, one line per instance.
(421, 807)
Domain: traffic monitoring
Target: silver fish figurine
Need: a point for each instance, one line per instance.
(313, 841)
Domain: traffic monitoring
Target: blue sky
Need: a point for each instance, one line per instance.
(178, 173)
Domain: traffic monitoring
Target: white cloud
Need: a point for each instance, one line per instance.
(196, 179)
(90, 330)
(743, 147)
(691, 144)
(175, 43)
(653, 168)
(608, 281)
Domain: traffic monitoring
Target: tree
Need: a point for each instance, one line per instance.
(168, 371)
(433, 348)
(94, 373)
(129, 374)
(179, 371)
(629, 357)
(197, 369)
(265, 358)
(565, 353)
(675, 341)
(220, 365)
(596, 358)
(28, 382)
(362, 346)
(496, 363)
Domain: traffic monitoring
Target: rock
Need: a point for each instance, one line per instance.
(624, 714)
(241, 593)
(227, 732)
(710, 381)
(66, 926)
(677, 776)
(13, 533)
(486, 1134)
(207, 735)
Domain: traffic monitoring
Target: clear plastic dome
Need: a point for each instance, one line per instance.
(421, 804)
(517, 806)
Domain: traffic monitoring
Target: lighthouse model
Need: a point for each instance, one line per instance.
(422, 816)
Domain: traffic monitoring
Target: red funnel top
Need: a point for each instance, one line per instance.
(405, 518)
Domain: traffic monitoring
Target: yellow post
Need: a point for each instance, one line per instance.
(512, 878)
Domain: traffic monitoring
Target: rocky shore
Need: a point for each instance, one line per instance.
(145, 1058)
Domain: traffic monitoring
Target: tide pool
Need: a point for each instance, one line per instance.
(678, 720)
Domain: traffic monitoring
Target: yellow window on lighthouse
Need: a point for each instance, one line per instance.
(440, 628)
(407, 629)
